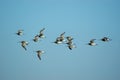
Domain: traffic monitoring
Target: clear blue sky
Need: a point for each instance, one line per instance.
(82, 19)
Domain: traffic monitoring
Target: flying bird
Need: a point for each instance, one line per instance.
(92, 43)
(70, 43)
(39, 52)
(19, 32)
(41, 34)
(60, 39)
(105, 39)
(24, 44)
(36, 38)
(69, 40)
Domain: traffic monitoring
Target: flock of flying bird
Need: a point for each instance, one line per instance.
(61, 39)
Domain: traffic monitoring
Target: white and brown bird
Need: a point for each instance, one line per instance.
(24, 44)
(69, 40)
(41, 34)
(92, 42)
(105, 39)
(36, 38)
(60, 39)
(39, 52)
(70, 43)
(20, 32)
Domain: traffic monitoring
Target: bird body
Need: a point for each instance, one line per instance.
(70, 43)
(69, 40)
(41, 34)
(20, 32)
(105, 39)
(60, 39)
(92, 43)
(57, 42)
(36, 38)
(23, 44)
(39, 52)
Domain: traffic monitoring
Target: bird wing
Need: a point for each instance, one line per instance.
(62, 34)
(42, 30)
(70, 47)
(39, 56)
(92, 40)
(24, 47)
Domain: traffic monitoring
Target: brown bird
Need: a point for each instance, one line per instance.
(60, 39)
(92, 43)
(36, 38)
(57, 41)
(24, 44)
(19, 32)
(69, 40)
(39, 52)
(41, 34)
(105, 39)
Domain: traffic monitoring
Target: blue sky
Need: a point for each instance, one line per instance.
(82, 19)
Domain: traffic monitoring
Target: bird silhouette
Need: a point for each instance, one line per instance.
(105, 39)
(24, 44)
(60, 39)
(39, 52)
(41, 34)
(69, 40)
(19, 32)
(36, 38)
(92, 43)
(57, 41)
